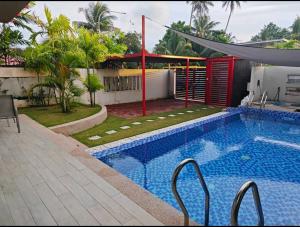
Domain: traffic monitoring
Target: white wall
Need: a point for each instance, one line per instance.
(17, 81)
(156, 86)
(271, 78)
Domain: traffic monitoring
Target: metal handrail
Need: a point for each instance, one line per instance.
(238, 199)
(177, 196)
(265, 101)
(251, 97)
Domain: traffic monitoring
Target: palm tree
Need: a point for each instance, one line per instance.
(94, 51)
(232, 5)
(203, 26)
(24, 17)
(201, 7)
(98, 17)
(296, 28)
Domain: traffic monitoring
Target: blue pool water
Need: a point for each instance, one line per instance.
(230, 151)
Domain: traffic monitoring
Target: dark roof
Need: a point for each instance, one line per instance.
(10, 9)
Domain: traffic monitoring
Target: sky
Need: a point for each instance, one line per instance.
(245, 21)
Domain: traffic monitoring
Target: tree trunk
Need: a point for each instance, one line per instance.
(192, 11)
(228, 20)
(94, 99)
(89, 86)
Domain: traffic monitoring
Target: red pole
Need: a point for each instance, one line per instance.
(208, 82)
(143, 68)
(187, 82)
(230, 80)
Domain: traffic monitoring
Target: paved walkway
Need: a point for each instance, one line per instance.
(41, 183)
(134, 109)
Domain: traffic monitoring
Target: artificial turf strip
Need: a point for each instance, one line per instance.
(52, 115)
(114, 123)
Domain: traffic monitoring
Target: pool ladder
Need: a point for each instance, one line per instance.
(263, 100)
(236, 202)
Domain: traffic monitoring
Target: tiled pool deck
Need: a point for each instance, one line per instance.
(48, 179)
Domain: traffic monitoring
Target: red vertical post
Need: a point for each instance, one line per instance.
(143, 68)
(187, 82)
(208, 82)
(230, 81)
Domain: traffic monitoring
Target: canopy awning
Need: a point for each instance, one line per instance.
(272, 56)
(155, 58)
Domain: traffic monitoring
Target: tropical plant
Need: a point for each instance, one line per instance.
(231, 5)
(53, 28)
(203, 26)
(63, 56)
(97, 16)
(9, 40)
(94, 51)
(115, 42)
(173, 43)
(271, 31)
(200, 7)
(93, 84)
(133, 42)
(36, 59)
(290, 44)
(296, 26)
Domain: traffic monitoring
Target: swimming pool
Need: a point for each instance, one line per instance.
(245, 144)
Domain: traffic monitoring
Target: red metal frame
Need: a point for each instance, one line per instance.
(209, 63)
(187, 82)
(230, 80)
(143, 68)
(208, 82)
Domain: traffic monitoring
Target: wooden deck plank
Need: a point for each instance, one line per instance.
(5, 215)
(41, 183)
(18, 209)
(82, 195)
(38, 210)
(82, 216)
(121, 214)
(103, 216)
(56, 208)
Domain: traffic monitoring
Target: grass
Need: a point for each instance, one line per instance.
(52, 115)
(114, 123)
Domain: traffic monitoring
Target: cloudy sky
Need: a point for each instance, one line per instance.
(245, 22)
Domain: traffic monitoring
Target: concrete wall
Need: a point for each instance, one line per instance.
(272, 77)
(159, 84)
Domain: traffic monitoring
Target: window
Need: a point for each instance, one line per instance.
(121, 83)
(293, 78)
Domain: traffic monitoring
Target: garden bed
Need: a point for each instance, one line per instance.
(116, 128)
(51, 115)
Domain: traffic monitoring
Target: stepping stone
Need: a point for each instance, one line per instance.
(172, 115)
(111, 132)
(95, 137)
(136, 123)
(161, 117)
(204, 108)
(189, 111)
(125, 127)
(180, 113)
(150, 120)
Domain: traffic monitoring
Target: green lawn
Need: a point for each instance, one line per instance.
(114, 123)
(52, 115)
